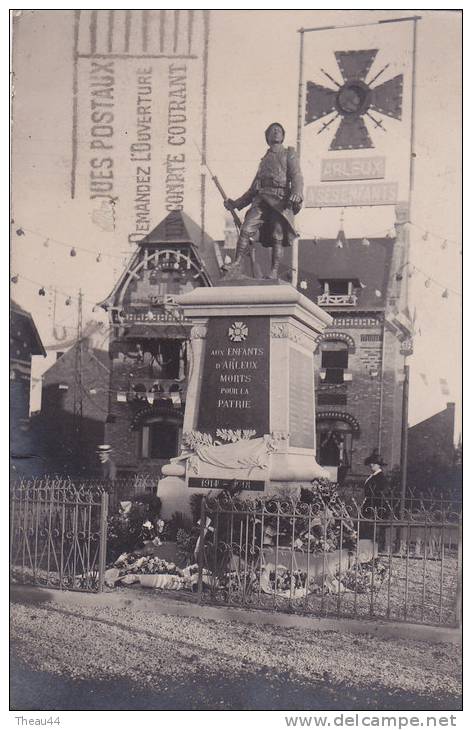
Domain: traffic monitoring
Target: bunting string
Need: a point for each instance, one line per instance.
(43, 290)
(427, 235)
(47, 240)
(412, 269)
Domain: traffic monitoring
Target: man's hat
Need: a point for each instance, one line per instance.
(274, 124)
(375, 458)
(104, 449)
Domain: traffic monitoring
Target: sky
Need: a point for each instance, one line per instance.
(252, 80)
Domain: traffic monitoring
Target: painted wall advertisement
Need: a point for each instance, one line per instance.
(139, 116)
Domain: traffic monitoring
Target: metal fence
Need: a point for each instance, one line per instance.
(119, 489)
(384, 560)
(58, 533)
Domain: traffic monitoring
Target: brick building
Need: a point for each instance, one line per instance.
(74, 409)
(433, 463)
(360, 359)
(25, 343)
(150, 349)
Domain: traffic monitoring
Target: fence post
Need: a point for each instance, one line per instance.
(13, 493)
(459, 576)
(102, 556)
(201, 547)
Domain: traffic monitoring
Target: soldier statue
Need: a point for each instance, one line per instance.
(275, 195)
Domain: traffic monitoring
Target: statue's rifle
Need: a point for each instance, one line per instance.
(235, 216)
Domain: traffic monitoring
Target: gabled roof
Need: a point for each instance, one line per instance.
(441, 419)
(324, 260)
(178, 227)
(66, 363)
(171, 229)
(175, 229)
(37, 347)
(368, 260)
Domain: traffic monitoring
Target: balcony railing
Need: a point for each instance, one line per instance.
(337, 300)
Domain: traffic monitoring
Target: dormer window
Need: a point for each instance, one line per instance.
(339, 292)
(338, 286)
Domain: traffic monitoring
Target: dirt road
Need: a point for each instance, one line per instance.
(118, 658)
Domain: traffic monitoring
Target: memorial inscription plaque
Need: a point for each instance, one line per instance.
(302, 405)
(235, 381)
(252, 485)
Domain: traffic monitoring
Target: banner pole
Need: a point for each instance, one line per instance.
(360, 25)
(406, 254)
(299, 146)
(300, 91)
(412, 128)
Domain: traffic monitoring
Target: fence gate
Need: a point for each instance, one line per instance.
(58, 534)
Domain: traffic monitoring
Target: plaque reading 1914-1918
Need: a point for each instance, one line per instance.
(235, 382)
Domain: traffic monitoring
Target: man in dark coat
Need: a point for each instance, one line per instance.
(275, 196)
(376, 497)
(376, 485)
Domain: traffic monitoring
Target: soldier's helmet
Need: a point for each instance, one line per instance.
(274, 124)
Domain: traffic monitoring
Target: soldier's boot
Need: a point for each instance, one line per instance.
(241, 248)
(277, 253)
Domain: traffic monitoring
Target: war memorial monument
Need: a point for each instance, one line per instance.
(249, 421)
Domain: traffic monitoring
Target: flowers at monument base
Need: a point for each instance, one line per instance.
(284, 559)
(365, 577)
(150, 571)
(135, 525)
(285, 583)
(132, 563)
(154, 572)
(160, 524)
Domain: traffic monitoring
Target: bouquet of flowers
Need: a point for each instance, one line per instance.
(134, 563)
(364, 577)
(285, 583)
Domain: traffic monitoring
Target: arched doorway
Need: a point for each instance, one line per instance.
(334, 441)
(159, 428)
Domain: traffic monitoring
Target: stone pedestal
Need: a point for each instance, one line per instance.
(252, 369)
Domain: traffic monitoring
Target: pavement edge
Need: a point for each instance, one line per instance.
(163, 605)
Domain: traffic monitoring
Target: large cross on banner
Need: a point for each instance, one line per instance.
(354, 99)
